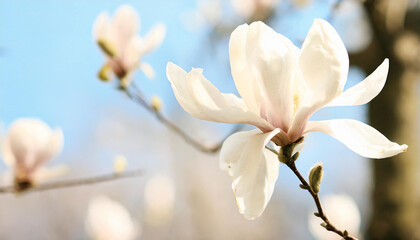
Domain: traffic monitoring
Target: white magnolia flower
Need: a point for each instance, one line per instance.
(159, 199)
(254, 9)
(342, 211)
(281, 87)
(27, 147)
(109, 220)
(123, 48)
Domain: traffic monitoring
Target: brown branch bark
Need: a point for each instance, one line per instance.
(328, 225)
(74, 182)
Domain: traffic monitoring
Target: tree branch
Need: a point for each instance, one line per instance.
(328, 225)
(137, 96)
(321, 214)
(74, 182)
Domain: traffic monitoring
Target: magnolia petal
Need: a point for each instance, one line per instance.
(324, 66)
(107, 219)
(203, 100)
(245, 83)
(366, 90)
(153, 39)
(52, 149)
(147, 69)
(324, 62)
(132, 53)
(253, 168)
(100, 27)
(7, 154)
(124, 25)
(359, 137)
(244, 8)
(30, 143)
(272, 60)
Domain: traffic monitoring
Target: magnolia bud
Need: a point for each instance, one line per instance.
(282, 158)
(120, 163)
(22, 184)
(346, 233)
(290, 151)
(156, 103)
(315, 177)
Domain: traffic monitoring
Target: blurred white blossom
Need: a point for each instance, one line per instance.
(27, 147)
(109, 220)
(281, 87)
(122, 46)
(352, 24)
(254, 9)
(342, 211)
(207, 11)
(301, 3)
(159, 195)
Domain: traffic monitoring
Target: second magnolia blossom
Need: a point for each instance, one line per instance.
(109, 220)
(122, 46)
(281, 87)
(28, 146)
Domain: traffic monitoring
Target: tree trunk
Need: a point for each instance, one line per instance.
(394, 112)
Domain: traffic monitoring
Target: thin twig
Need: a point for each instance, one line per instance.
(321, 214)
(328, 225)
(75, 182)
(139, 98)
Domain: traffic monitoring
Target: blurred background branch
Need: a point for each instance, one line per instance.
(73, 182)
(137, 96)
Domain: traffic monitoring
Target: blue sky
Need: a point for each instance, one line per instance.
(49, 62)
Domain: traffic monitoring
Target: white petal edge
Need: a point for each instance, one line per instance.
(147, 70)
(124, 26)
(366, 90)
(244, 83)
(153, 39)
(200, 98)
(253, 168)
(100, 26)
(358, 137)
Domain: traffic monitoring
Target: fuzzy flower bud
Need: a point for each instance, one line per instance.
(315, 177)
(120, 164)
(156, 103)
